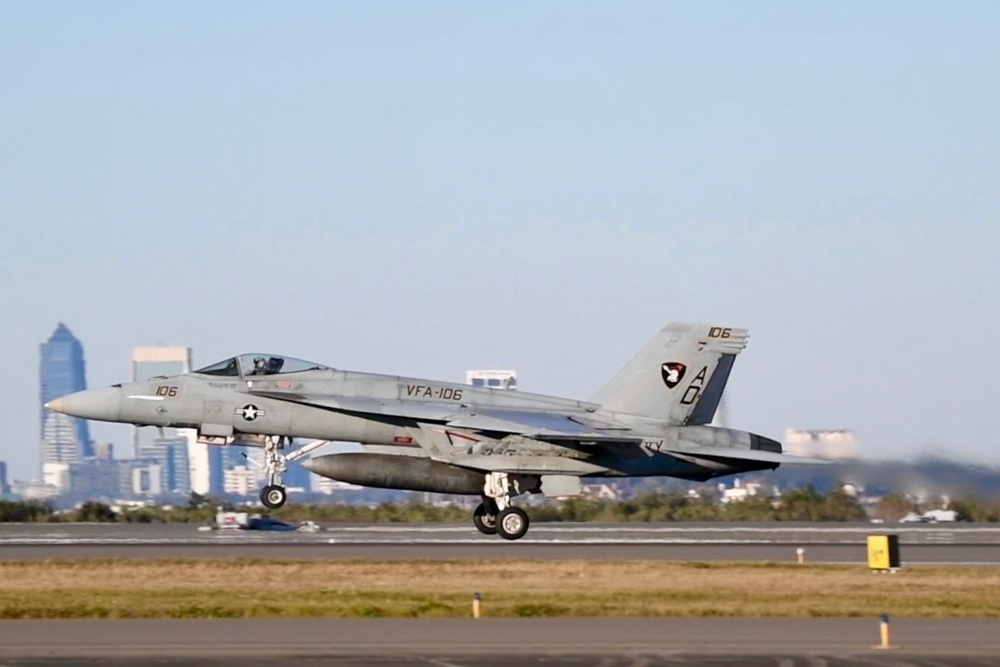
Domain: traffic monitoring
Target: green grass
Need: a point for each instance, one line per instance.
(241, 588)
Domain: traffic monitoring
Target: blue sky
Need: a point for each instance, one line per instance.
(421, 188)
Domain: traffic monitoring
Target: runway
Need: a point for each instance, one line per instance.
(567, 642)
(968, 544)
(971, 555)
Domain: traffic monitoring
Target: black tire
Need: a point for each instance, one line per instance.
(512, 523)
(273, 496)
(484, 520)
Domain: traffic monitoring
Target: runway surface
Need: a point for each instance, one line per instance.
(540, 533)
(495, 642)
(969, 544)
(565, 642)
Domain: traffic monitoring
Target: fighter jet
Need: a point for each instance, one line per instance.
(651, 419)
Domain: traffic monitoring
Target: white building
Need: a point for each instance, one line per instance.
(59, 442)
(739, 491)
(822, 443)
(241, 480)
(147, 479)
(494, 378)
(57, 475)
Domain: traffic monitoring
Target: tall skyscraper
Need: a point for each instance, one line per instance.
(62, 371)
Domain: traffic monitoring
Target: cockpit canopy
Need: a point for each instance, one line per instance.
(259, 364)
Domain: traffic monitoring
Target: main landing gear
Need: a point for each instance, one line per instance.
(495, 515)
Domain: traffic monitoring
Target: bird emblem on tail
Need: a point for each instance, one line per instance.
(673, 373)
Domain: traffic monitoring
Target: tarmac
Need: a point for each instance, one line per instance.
(566, 642)
(555, 642)
(968, 555)
(955, 544)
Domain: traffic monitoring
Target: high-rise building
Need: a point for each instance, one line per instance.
(62, 371)
(100, 478)
(147, 363)
(171, 455)
(241, 480)
(494, 379)
(216, 472)
(104, 451)
(147, 478)
(4, 486)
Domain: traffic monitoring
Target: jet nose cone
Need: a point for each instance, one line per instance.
(100, 404)
(57, 405)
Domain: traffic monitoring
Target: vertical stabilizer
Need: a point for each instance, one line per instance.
(678, 376)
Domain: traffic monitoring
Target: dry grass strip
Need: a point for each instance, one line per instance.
(199, 588)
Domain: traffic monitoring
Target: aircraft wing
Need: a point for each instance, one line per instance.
(371, 407)
(572, 428)
(538, 424)
(531, 423)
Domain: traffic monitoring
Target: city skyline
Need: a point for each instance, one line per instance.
(160, 462)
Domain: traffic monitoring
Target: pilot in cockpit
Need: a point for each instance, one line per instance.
(267, 366)
(259, 366)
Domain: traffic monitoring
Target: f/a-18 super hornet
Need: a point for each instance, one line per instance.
(651, 419)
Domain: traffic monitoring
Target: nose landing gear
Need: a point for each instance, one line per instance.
(274, 495)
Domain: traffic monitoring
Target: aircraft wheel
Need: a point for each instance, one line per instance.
(273, 496)
(485, 520)
(512, 523)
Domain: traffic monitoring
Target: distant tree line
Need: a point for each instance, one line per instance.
(805, 504)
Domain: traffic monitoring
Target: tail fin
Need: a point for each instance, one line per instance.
(678, 376)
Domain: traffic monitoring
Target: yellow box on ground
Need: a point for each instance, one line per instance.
(883, 552)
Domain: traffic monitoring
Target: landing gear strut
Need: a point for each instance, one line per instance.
(495, 515)
(273, 495)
